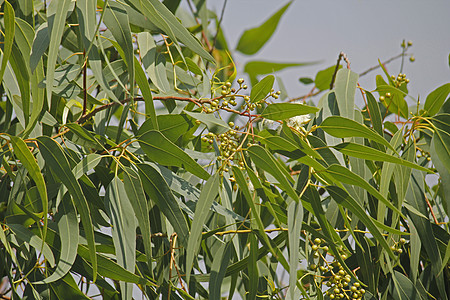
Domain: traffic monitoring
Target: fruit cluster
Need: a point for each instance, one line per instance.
(333, 273)
(228, 144)
(397, 247)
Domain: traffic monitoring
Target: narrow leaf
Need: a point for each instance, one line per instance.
(344, 175)
(283, 111)
(345, 92)
(158, 190)
(68, 234)
(265, 161)
(343, 198)
(369, 153)
(342, 127)
(295, 219)
(9, 36)
(253, 39)
(202, 209)
(123, 229)
(29, 162)
(158, 148)
(54, 157)
(57, 29)
(218, 268)
(135, 192)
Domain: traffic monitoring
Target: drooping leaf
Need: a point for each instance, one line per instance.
(135, 193)
(265, 161)
(36, 242)
(9, 36)
(56, 160)
(252, 40)
(142, 82)
(345, 89)
(202, 209)
(368, 153)
(374, 113)
(158, 190)
(122, 217)
(28, 161)
(158, 148)
(343, 198)
(68, 234)
(344, 175)
(283, 111)
(116, 19)
(163, 18)
(56, 29)
(342, 127)
(218, 268)
(295, 219)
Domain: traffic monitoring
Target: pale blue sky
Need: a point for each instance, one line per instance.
(365, 30)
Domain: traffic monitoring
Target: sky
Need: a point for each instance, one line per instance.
(365, 30)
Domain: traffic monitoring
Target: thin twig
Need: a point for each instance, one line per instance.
(360, 75)
(218, 26)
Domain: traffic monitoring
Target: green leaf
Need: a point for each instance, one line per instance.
(218, 268)
(342, 128)
(283, 111)
(436, 99)
(374, 113)
(214, 124)
(116, 19)
(345, 89)
(25, 156)
(171, 126)
(240, 180)
(123, 229)
(56, 32)
(323, 78)
(68, 234)
(344, 175)
(441, 139)
(135, 193)
(89, 162)
(163, 18)
(407, 289)
(158, 190)
(142, 82)
(56, 160)
(343, 198)
(9, 36)
(202, 209)
(265, 161)
(295, 219)
(369, 153)
(261, 89)
(253, 39)
(254, 68)
(306, 80)
(36, 242)
(110, 269)
(160, 149)
(253, 275)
